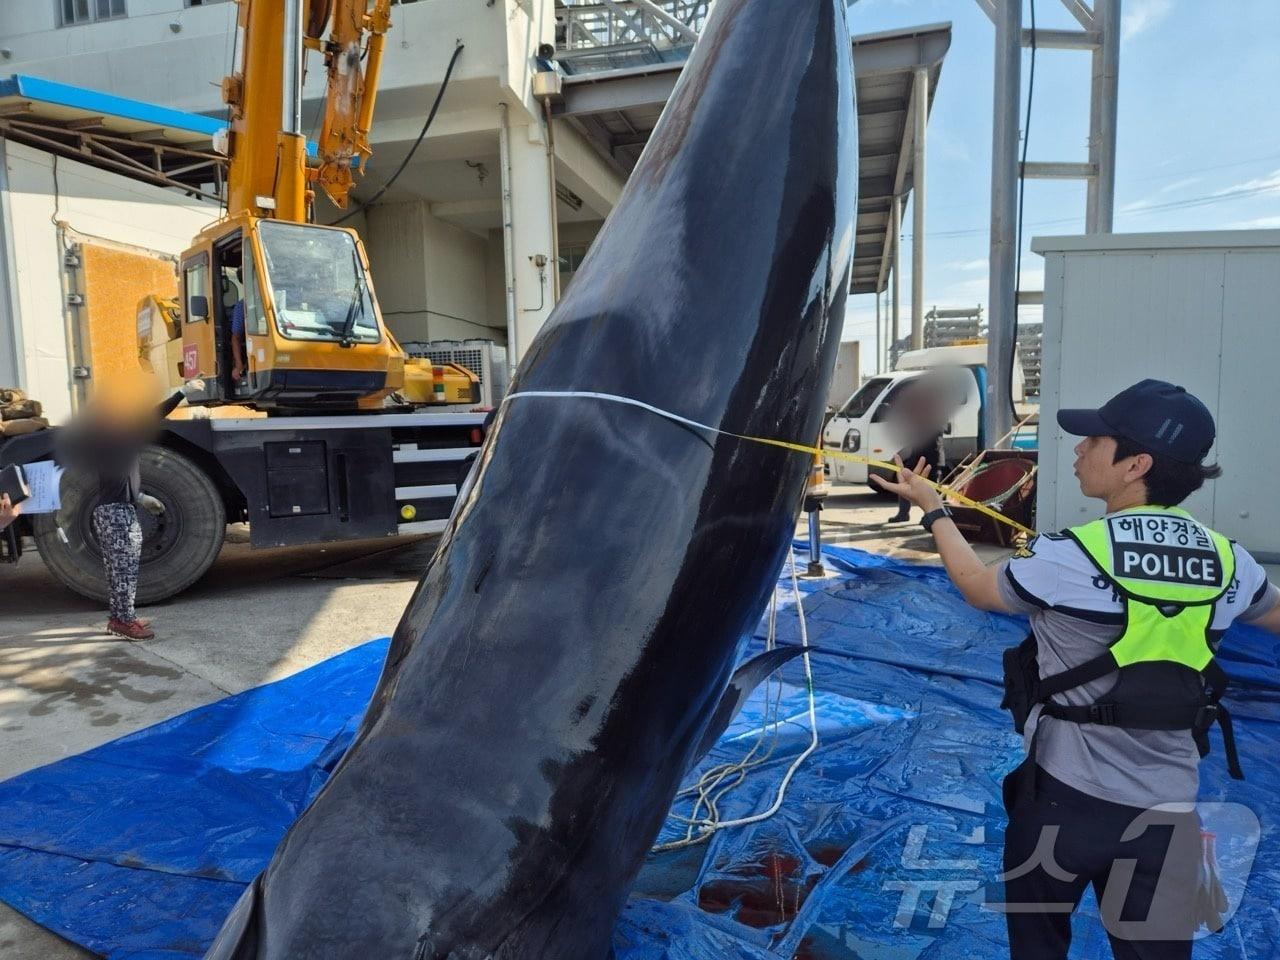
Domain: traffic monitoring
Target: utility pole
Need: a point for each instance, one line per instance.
(1101, 36)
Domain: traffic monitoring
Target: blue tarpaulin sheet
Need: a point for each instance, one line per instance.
(887, 846)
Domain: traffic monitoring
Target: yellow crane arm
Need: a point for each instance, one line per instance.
(353, 65)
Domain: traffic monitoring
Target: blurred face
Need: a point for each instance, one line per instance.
(1099, 475)
(124, 403)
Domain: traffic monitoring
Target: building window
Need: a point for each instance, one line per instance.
(571, 257)
(90, 11)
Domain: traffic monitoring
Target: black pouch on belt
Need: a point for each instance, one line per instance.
(1021, 678)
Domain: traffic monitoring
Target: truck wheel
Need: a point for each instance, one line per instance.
(177, 547)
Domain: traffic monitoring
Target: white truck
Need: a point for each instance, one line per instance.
(862, 425)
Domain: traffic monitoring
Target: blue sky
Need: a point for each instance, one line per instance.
(1198, 145)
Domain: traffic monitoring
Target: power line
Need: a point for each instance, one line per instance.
(1219, 166)
(1206, 200)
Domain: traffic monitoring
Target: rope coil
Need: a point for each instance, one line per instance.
(711, 787)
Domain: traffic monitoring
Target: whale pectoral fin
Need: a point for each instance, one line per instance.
(238, 939)
(746, 678)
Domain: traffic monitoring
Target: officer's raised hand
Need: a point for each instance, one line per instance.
(912, 484)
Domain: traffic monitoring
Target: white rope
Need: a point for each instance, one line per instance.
(614, 398)
(708, 789)
(711, 787)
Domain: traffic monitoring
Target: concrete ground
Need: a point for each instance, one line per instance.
(256, 617)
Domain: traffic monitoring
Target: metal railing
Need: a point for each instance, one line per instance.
(609, 34)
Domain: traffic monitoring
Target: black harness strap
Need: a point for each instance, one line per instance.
(1229, 744)
(1198, 720)
(1132, 716)
(1095, 669)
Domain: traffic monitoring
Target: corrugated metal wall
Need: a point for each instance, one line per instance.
(1195, 309)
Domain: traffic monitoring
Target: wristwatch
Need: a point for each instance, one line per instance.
(932, 517)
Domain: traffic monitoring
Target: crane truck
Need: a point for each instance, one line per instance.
(319, 455)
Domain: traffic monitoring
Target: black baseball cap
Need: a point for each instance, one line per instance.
(1160, 417)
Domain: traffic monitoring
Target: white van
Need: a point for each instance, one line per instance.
(861, 426)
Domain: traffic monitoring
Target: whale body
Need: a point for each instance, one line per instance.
(565, 652)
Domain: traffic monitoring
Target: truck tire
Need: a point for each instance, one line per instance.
(177, 547)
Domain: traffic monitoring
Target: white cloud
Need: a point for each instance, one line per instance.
(953, 148)
(1257, 223)
(1267, 184)
(1179, 184)
(1141, 15)
(967, 265)
(1258, 186)
(966, 293)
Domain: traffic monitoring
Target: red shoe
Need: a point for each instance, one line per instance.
(133, 630)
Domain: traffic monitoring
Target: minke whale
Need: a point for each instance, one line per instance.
(567, 650)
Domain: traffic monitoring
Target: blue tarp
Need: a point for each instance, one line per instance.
(886, 847)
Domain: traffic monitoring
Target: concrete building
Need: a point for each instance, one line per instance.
(435, 237)
(448, 261)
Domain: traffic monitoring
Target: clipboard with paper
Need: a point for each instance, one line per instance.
(44, 479)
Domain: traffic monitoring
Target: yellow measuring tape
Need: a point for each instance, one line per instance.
(784, 444)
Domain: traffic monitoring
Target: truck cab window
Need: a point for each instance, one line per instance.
(317, 283)
(886, 407)
(195, 285)
(229, 279)
(861, 401)
(255, 317)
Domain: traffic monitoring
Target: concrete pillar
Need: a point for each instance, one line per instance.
(879, 341)
(920, 113)
(13, 367)
(1103, 99)
(1002, 322)
(896, 240)
(532, 234)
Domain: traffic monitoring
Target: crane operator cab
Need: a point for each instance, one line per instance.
(282, 315)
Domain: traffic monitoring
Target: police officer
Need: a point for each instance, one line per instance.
(1117, 688)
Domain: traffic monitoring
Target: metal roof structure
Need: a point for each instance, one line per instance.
(152, 143)
(885, 66)
(166, 147)
(617, 109)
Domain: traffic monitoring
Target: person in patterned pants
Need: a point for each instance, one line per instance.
(120, 539)
(108, 442)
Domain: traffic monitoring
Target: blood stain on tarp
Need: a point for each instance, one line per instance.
(764, 895)
(829, 855)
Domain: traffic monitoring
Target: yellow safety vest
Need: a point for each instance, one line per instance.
(1169, 571)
